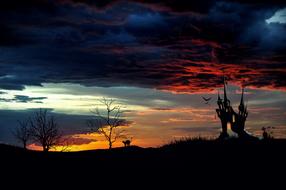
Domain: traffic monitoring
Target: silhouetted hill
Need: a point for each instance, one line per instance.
(8, 149)
(179, 163)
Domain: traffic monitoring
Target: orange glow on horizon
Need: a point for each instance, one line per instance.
(144, 143)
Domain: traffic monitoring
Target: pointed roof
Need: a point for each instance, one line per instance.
(224, 90)
(242, 97)
(218, 96)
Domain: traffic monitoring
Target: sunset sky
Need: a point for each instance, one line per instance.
(155, 58)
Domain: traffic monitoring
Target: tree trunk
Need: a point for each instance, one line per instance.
(45, 148)
(25, 145)
(110, 145)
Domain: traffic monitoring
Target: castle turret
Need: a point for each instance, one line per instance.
(219, 100)
(241, 107)
(226, 102)
(224, 91)
(231, 121)
(218, 96)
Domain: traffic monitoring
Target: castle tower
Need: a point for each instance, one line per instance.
(231, 121)
(241, 117)
(224, 112)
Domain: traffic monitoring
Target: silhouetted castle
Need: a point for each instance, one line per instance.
(231, 121)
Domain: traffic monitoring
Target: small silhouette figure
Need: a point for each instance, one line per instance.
(267, 133)
(207, 100)
(127, 142)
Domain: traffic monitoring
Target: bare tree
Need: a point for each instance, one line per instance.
(45, 130)
(108, 124)
(22, 133)
(65, 144)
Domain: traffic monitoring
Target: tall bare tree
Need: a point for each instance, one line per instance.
(108, 122)
(22, 133)
(45, 130)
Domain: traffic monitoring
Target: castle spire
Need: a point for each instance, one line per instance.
(242, 97)
(218, 96)
(224, 90)
(242, 107)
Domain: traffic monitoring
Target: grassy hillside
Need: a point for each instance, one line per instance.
(187, 159)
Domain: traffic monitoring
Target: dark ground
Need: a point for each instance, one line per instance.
(188, 163)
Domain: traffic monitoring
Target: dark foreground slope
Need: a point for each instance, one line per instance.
(189, 162)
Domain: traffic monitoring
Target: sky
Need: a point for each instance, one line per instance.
(157, 59)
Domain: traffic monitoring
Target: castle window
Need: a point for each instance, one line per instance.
(229, 130)
(228, 126)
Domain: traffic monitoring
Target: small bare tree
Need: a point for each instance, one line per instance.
(45, 130)
(108, 123)
(22, 133)
(65, 144)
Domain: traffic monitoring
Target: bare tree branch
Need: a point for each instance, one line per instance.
(45, 130)
(22, 133)
(108, 123)
(66, 145)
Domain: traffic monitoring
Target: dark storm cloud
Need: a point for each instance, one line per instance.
(183, 46)
(23, 99)
(26, 99)
(202, 6)
(169, 5)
